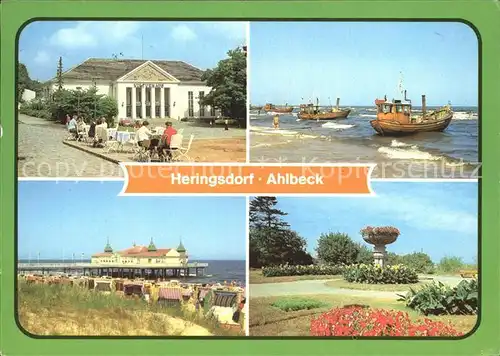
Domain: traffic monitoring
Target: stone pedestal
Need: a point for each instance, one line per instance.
(379, 255)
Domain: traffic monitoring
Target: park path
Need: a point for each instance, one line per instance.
(314, 287)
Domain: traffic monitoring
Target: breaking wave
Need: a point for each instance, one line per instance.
(403, 151)
(463, 115)
(336, 126)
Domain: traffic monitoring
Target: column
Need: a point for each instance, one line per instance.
(134, 102)
(153, 102)
(143, 103)
(162, 102)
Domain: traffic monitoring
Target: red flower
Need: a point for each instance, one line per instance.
(358, 321)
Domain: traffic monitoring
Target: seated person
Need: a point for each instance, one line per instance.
(166, 137)
(104, 123)
(92, 129)
(143, 133)
(98, 140)
(72, 126)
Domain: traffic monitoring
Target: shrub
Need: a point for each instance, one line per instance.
(36, 108)
(293, 270)
(294, 304)
(450, 264)
(393, 259)
(358, 321)
(365, 255)
(439, 299)
(373, 274)
(337, 248)
(419, 261)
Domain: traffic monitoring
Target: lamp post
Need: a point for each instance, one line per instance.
(73, 258)
(38, 260)
(82, 257)
(78, 101)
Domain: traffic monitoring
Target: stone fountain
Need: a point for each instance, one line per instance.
(379, 237)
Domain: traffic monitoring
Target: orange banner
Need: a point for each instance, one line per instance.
(238, 179)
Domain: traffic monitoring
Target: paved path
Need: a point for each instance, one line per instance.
(42, 153)
(310, 287)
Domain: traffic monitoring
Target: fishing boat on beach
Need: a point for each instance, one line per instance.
(277, 109)
(395, 118)
(313, 112)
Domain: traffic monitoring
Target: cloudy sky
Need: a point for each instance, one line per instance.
(360, 61)
(440, 219)
(201, 44)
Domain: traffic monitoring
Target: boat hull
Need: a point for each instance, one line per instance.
(394, 128)
(277, 109)
(280, 110)
(336, 115)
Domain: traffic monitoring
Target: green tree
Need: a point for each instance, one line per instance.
(337, 248)
(229, 85)
(263, 213)
(108, 108)
(419, 261)
(272, 242)
(450, 264)
(274, 247)
(393, 259)
(23, 80)
(87, 104)
(365, 255)
(59, 74)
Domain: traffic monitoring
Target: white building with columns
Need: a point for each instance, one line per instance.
(144, 89)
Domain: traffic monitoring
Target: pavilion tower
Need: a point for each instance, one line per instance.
(108, 248)
(151, 247)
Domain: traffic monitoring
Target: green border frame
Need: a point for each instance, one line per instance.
(481, 13)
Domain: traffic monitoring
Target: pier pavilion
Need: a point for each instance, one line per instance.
(146, 262)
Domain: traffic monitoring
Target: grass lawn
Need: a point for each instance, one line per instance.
(65, 310)
(268, 320)
(340, 283)
(256, 277)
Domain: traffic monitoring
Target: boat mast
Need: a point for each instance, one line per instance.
(400, 84)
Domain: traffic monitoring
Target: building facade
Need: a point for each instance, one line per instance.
(142, 255)
(143, 89)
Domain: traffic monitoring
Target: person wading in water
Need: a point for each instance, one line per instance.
(276, 121)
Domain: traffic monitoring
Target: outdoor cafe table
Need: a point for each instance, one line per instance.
(112, 132)
(122, 137)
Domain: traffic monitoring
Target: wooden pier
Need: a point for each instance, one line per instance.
(192, 269)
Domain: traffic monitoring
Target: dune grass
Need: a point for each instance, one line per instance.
(66, 310)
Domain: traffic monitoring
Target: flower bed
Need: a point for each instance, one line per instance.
(126, 122)
(373, 274)
(359, 321)
(289, 270)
